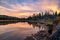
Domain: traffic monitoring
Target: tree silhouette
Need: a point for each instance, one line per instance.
(59, 14)
(56, 13)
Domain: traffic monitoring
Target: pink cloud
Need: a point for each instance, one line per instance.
(28, 8)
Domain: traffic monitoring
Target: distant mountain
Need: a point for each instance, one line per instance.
(5, 17)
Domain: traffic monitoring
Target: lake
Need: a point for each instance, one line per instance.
(20, 30)
(17, 31)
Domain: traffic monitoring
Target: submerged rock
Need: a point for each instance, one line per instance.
(30, 38)
(56, 35)
(43, 35)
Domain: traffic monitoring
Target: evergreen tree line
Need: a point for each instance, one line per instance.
(43, 16)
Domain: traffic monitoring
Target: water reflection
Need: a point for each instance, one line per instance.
(44, 33)
(20, 30)
(7, 22)
(16, 31)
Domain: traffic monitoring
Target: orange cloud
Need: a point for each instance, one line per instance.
(16, 13)
(27, 9)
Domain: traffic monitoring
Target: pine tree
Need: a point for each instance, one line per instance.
(59, 14)
(56, 13)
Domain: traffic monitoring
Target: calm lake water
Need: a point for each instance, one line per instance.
(17, 31)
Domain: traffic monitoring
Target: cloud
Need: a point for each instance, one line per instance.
(27, 6)
(4, 10)
(59, 4)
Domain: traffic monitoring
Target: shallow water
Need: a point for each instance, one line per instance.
(20, 30)
(16, 31)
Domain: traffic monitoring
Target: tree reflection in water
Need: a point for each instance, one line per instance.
(45, 31)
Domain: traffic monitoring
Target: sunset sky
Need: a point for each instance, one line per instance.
(24, 8)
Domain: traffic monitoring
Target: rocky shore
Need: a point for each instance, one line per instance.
(44, 35)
